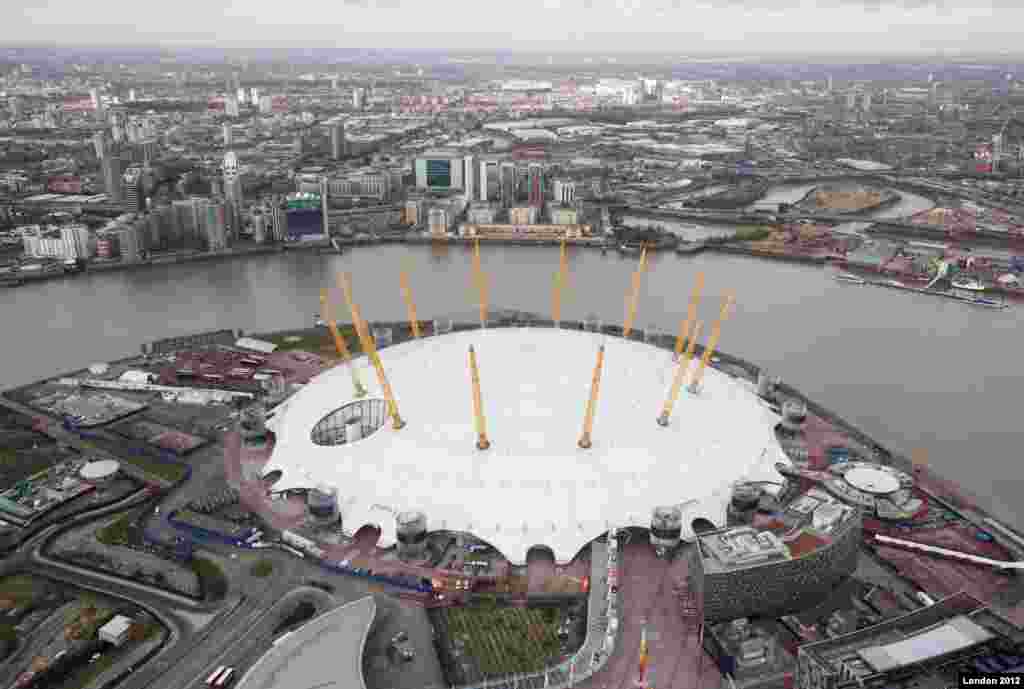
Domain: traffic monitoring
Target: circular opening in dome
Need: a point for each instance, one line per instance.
(701, 525)
(350, 423)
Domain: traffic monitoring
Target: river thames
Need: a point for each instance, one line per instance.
(910, 370)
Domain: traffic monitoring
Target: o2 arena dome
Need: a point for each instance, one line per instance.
(534, 486)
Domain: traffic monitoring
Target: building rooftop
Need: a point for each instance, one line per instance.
(325, 652)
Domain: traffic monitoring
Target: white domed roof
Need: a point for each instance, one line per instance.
(534, 486)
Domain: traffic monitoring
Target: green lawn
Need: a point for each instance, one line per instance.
(21, 588)
(212, 580)
(262, 568)
(506, 640)
(168, 471)
(116, 532)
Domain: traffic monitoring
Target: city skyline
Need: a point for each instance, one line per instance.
(904, 27)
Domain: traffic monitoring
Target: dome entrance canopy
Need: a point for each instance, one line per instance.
(534, 486)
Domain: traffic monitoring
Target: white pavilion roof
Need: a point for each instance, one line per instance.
(534, 486)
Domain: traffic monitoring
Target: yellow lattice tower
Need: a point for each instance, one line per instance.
(595, 385)
(560, 280)
(482, 443)
(631, 304)
(709, 349)
(410, 305)
(677, 382)
(370, 348)
(340, 345)
(691, 315)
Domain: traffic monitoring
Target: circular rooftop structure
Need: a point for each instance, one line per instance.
(884, 490)
(99, 470)
(872, 479)
(534, 486)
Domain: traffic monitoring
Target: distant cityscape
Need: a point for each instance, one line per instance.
(104, 164)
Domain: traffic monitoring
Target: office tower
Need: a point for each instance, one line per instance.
(231, 106)
(358, 98)
(830, 83)
(509, 181)
(851, 100)
(240, 94)
(438, 222)
(99, 142)
(233, 192)
(112, 178)
(469, 178)
(128, 240)
(132, 189)
(535, 182)
(266, 105)
(131, 95)
(259, 226)
(17, 107)
(565, 192)
(279, 217)
(337, 140)
(77, 237)
(228, 135)
(334, 83)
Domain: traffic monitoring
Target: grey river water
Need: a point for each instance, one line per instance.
(911, 370)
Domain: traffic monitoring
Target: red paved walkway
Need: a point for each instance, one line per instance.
(646, 592)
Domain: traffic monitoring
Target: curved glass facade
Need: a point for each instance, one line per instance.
(336, 428)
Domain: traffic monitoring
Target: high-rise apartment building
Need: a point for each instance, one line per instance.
(132, 189)
(338, 143)
(112, 178)
(469, 178)
(565, 192)
(535, 182)
(509, 183)
(99, 142)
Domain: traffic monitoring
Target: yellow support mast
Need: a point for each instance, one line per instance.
(340, 344)
(370, 348)
(480, 282)
(410, 304)
(631, 304)
(691, 316)
(595, 385)
(560, 280)
(677, 382)
(709, 349)
(482, 443)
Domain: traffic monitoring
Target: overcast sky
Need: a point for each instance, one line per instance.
(598, 26)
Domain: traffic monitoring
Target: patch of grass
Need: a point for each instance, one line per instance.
(20, 589)
(505, 640)
(752, 234)
(262, 568)
(211, 578)
(117, 532)
(168, 471)
(8, 633)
